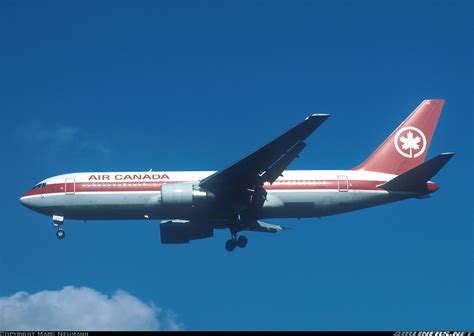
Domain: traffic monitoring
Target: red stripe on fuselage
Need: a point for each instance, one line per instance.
(156, 186)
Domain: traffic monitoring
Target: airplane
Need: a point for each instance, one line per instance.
(193, 204)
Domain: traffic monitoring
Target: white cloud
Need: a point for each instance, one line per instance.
(57, 139)
(82, 308)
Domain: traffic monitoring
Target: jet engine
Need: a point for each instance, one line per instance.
(183, 194)
(179, 231)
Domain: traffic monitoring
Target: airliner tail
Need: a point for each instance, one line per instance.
(407, 146)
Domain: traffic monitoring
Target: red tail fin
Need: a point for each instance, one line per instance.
(407, 146)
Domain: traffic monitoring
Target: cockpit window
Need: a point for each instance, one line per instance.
(39, 186)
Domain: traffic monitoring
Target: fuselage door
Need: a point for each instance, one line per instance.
(70, 186)
(342, 183)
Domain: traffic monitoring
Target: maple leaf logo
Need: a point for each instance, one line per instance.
(413, 142)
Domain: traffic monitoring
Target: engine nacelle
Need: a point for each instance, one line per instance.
(183, 194)
(179, 231)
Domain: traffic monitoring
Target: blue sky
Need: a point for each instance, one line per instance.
(196, 85)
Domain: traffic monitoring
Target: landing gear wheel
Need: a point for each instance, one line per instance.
(230, 245)
(242, 241)
(60, 234)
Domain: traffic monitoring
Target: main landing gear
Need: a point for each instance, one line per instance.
(58, 222)
(234, 241)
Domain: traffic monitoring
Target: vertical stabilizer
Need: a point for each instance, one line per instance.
(407, 146)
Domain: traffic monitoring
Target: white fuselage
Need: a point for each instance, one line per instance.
(137, 195)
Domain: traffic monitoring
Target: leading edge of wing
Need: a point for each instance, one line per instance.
(260, 160)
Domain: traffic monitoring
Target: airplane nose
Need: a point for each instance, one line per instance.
(24, 201)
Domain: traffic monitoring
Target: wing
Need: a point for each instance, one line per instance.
(264, 165)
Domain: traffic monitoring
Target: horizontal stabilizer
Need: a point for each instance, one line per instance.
(260, 226)
(415, 179)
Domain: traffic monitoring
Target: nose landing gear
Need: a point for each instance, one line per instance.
(60, 233)
(58, 222)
